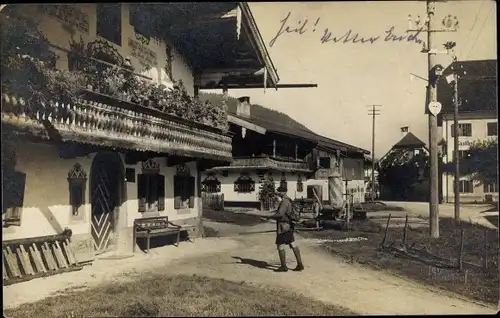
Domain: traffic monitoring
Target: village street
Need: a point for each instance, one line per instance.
(250, 258)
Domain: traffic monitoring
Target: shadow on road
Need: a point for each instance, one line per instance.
(255, 263)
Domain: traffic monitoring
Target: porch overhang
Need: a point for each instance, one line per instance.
(100, 120)
(264, 163)
(221, 42)
(245, 124)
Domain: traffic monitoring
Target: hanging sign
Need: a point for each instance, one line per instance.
(435, 108)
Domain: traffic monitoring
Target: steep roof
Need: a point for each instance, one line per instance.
(281, 123)
(294, 132)
(477, 88)
(409, 141)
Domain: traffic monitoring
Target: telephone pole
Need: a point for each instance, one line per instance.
(435, 70)
(456, 157)
(373, 112)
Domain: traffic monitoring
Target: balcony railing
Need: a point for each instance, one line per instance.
(266, 163)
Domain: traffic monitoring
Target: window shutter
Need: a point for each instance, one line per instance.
(177, 194)
(141, 192)
(153, 188)
(161, 192)
(191, 186)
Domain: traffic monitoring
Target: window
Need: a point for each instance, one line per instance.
(466, 186)
(490, 188)
(14, 183)
(300, 185)
(462, 154)
(324, 162)
(109, 22)
(464, 130)
(140, 20)
(151, 187)
(492, 129)
(210, 185)
(283, 183)
(244, 184)
(183, 192)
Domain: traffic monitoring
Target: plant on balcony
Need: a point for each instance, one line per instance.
(28, 69)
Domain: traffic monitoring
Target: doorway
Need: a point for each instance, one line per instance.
(106, 196)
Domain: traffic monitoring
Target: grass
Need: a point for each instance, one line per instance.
(474, 283)
(154, 295)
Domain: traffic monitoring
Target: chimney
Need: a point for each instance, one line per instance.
(404, 130)
(243, 107)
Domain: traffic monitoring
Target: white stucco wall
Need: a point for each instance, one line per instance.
(479, 132)
(46, 209)
(60, 36)
(173, 214)
(227, 187)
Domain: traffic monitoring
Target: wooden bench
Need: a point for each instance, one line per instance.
(157, 226)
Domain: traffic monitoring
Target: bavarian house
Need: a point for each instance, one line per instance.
(101, 124)
(287, 157)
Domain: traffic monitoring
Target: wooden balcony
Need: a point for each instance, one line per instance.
(266, 163)
(102, 102)
(102, 120)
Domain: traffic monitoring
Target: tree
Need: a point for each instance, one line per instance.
(404, 176)
(481, 162)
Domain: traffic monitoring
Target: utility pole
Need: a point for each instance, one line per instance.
(373, 112)
(456, 157)
(457, 72)
(449, 24)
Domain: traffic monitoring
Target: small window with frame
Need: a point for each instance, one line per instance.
(151, 187)
(211, 184)
(13, 198)
(184, 195)
(109, 22)
(244, 184)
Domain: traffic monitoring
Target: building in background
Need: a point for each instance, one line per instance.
(472, 126)
(133, 143)
(403, 170)
(477, 121)
(291, 157)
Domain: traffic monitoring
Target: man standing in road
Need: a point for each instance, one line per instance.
(284, 217)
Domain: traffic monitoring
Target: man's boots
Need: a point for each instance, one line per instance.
(283, 267)
(300, 266)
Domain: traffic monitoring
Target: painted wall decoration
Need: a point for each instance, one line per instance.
(68, 14)
(77, 179)
(145, 55)
(211, 184)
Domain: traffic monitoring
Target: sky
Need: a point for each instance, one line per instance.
(351, 76)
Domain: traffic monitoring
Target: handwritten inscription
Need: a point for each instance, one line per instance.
(67, 14)
(328, 36)
(145, 55)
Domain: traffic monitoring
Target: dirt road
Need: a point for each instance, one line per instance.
(244, 258)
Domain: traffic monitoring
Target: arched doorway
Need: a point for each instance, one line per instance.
(106, 196)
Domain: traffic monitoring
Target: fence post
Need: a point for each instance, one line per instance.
(460, 265)
(485, 257)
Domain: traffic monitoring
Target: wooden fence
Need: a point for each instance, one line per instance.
(268, 205)
(25, 259)
(213, 201)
